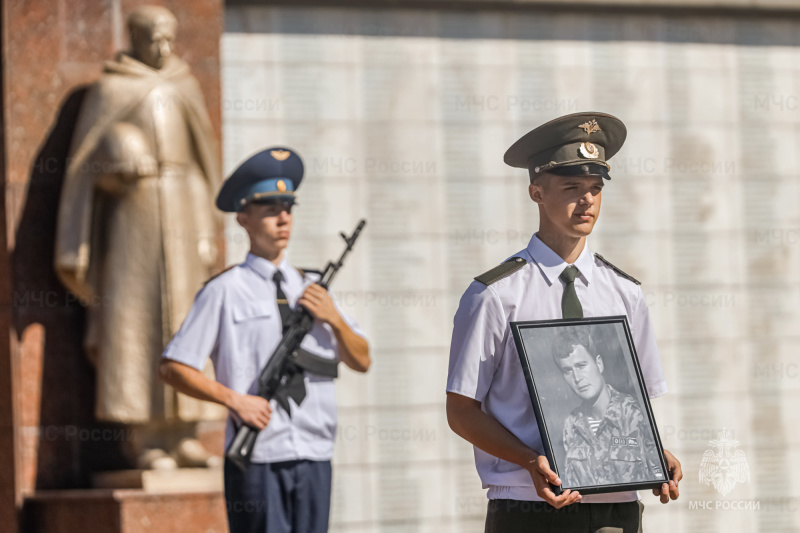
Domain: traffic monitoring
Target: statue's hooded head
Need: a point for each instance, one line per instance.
(152, 31)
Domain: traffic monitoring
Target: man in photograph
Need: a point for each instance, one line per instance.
(555, 276)
(606, 438)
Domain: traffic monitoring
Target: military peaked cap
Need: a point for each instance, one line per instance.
(274, 173)
(577, 144)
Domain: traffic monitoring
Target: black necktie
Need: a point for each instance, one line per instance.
(283, 303)
(294, 384)
(570, 305)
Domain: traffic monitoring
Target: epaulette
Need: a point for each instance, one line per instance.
(501, 271)
(617, 270)
(218, 274)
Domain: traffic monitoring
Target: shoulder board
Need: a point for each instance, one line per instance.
(218, 274)
(501, 271)
(617, 270)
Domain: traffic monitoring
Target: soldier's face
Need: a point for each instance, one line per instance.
(269, 225)
(152, 46)
(570, 204)
(583, 373)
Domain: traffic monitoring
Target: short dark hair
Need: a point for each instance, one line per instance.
(538, 178)
(570, 337)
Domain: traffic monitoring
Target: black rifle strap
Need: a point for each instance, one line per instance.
(293, 387)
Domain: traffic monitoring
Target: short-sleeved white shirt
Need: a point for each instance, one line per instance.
(484, 364)
(235, 320)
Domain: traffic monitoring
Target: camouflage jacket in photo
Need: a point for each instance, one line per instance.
(622, 450)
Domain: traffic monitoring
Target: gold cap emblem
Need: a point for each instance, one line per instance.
(589, 151)
(280, 155)
(590, 127)
(281, 185)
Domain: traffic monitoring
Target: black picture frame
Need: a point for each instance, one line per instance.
(548, 398)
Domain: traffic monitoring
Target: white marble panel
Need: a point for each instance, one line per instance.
(402, 117)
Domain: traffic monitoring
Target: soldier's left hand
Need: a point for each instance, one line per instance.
(319, 303)
(670, 490)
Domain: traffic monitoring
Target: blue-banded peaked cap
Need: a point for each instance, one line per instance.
(274, 173)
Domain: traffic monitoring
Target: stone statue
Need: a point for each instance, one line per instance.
(136, 233)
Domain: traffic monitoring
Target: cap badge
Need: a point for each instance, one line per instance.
(589, 151)
(281, 185)
(590, 127)
(280, 155)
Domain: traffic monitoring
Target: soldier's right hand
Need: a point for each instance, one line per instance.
(252, 410)
(542, 477)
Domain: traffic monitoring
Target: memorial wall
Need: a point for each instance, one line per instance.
(403, 116)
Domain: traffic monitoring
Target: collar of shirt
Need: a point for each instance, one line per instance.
(266, 269)
(552, 265)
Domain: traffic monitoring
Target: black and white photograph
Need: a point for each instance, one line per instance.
(591, 406)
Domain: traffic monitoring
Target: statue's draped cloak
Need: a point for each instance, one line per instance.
(138, 257)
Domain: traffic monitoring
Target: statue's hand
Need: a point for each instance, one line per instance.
(141, 166)
(116, 182)
(146, 166)
(122, 175)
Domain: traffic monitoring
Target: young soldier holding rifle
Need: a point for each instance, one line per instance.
(239, 319)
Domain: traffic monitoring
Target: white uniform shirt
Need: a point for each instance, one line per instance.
(235, 320)
(484, 364)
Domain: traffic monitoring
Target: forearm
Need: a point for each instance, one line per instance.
(468, 421)
(194, 383)
(353, 349)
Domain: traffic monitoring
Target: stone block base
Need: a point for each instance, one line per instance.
(160, 481)
(124, 511)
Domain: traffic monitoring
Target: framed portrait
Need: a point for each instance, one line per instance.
(591, 404)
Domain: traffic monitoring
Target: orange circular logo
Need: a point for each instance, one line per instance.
(281, 185)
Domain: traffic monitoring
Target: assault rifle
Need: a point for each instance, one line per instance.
(286, 359)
